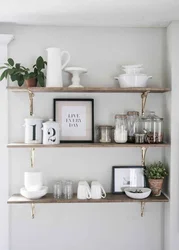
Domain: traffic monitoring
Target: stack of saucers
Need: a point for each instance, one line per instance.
(133, 77)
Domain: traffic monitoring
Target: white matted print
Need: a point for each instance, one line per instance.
(127, 177)
(76, 119)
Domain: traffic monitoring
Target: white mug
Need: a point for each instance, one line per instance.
(97, 190)
(33, 181)
(83, 191)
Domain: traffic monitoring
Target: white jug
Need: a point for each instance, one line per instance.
(51, 132)
(55, 66)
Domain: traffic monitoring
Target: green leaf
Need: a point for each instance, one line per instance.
(17, 65)
(3, 75)
(11, 61)
(14, 78)
(40, 80)
(3, 67)
(20, 80)
(40, 63)
(12, 71)
(7, 64)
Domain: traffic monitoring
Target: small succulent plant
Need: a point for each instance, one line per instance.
(156, 170)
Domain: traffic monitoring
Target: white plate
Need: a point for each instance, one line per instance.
(133, 66)
(34, 194)
(145, 193)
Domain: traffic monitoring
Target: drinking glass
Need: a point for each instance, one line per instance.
(57, 190)
(68, 190)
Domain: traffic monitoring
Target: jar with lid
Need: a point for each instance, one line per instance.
(153, 128)
(120, 132)
(133, 124)
(104, 133)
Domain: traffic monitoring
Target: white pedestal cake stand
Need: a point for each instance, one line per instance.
(76, 72)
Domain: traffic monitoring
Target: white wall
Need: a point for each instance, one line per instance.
(172, 209)
(94, 226)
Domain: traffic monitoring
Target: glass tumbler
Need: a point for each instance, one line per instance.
(58, 190)
(68, 190)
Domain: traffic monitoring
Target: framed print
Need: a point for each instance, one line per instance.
(127, 176)
(76, 119)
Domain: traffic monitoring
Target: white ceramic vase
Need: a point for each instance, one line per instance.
(55, 66)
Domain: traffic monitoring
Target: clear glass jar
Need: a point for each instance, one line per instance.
(104, 134)
(152, 126)
(133, 125)
(120, 131)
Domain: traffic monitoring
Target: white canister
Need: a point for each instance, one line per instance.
(33, 130)
(51, 132)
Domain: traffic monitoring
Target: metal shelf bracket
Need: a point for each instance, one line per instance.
(144, 99)
(144, 150)
(142, 208)
(32, 210)
(31, 96)
(32, 157)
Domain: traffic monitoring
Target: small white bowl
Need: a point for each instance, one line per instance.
(132, 66)
(129, 81)
(145, 193)
(34, 194)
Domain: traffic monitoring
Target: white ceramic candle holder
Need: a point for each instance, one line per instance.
(76, 72)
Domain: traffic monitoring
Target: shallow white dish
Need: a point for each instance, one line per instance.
(129, 81)
(132, 66)
(145, 193)
(34, 194)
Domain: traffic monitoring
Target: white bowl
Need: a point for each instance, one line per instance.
(132, 66)
(34, 194)
(133, 71)
(145, 193)
(128, 81)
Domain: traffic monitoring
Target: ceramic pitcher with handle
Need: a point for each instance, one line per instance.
(55, 66)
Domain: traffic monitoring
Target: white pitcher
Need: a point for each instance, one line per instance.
(55, 66)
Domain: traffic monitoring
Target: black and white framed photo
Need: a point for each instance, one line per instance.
(127, 176)
(76, 119)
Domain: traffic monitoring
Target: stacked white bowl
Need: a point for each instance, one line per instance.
(33, 186)
(133, 77)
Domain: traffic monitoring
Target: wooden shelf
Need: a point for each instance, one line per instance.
(88, 145)
(111, 198)
(90, 89)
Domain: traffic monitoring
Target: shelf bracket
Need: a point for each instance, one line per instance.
(32, 157)
(144, 150)
(142, 208)
(32, 210)
(31, 96)
(144, 99)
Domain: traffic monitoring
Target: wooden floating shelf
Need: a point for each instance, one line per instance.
(88, 145)
(89, 89)
(111, 198)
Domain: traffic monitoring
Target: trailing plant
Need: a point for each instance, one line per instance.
(19, 73)
(156, 170)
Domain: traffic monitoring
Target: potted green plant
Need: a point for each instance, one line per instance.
(155, 174)
(22, 75)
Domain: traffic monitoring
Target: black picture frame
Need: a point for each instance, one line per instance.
(114, 168)
(89, 100)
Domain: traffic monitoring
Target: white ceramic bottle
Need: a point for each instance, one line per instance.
(51, 132)
(33, 130)
(55, 66)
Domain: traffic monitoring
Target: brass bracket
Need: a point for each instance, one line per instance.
(32, 210)
(144, 150)
(142, 208)
(31, 96)
(32, 157)
(144, 99)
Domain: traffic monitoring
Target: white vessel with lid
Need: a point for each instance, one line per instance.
(51, 132)
(33, 132)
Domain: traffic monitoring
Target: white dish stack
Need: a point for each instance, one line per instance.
(133, 77)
